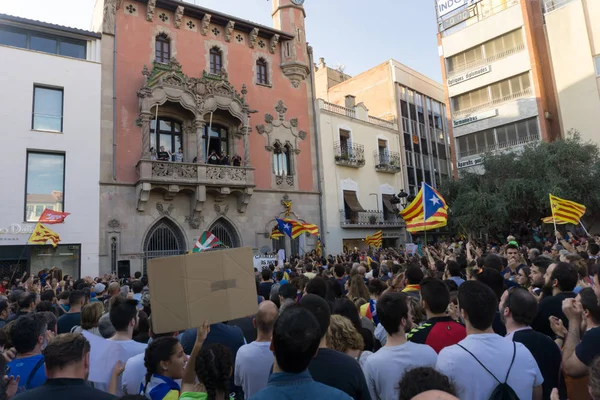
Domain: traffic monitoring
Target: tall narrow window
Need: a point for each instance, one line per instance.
(281, 160)
(163, 49)
(216, 60)
(261, 72)
(44, 184)
(47, 109)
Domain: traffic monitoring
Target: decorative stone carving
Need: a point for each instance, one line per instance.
(273, 43)
(131, 9)
(244, 200)
(252, 38)
(164, 212)
(296, 72)
(174, 171)
(143, 195)
(281, 110)
(229, 31)
(205, 24)
(114, 223)
(289, 180)
(194, 221)
(178, 16)
(279, 180)
(302, 135)
(150, 10)
(261, 44)
(221, 210)
(109, 17)
(280, 129)
(163, 17)
(239, 38)
(224, 173)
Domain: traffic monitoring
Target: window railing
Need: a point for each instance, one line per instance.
(339, 109)
(499, 146)
(483, 106)
(349, 154)
(487, 60)
(551, 5)
(387, 161)
(370, 218)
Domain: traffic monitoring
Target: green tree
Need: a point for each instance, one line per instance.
(514, 187)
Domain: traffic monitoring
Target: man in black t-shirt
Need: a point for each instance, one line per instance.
(264, 288)
(330, 367)
(562, 278)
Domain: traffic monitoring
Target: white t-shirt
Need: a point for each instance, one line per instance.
(133, 375)
(384, 369)
(253, 364)
(131, 348)
(473, 382)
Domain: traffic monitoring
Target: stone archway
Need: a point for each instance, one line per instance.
(226, 233)
(163, 239)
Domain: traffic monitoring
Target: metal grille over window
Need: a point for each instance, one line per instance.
(226, 233)
(164, 239)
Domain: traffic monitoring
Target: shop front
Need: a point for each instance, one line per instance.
(16, 259)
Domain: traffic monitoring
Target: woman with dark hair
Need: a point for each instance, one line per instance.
(212, 365)
(346, 308)
(164, 361)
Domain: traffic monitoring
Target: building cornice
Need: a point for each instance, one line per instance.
(360, 121)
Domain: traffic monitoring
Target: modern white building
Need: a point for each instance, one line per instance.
(498, 76)
(50, 109)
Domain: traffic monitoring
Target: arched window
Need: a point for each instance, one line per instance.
(215, 142)
(216, 60)
(226, 233)
(261, 72)
(281, 160)
(168, 136)
(163, 49)
(164, 239)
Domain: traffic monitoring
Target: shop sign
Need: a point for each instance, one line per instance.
(469, 75)
(474, 118)
(447, 6)
(470, 163)
(17, 229)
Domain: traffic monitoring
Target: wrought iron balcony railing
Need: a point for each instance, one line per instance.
(349, 154)
(370, 219)
(387, 161)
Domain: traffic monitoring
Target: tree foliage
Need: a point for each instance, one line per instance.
(514, 187)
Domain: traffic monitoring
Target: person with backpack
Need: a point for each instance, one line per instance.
(484, 365)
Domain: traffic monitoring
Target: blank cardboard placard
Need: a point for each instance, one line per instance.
(215, 285)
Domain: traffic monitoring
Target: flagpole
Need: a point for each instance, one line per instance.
(209, 136)
(424, 212)
(585, 230)
(553, 217)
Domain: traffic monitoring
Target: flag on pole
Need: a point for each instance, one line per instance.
(375, 240)
(206, 241)
(427, 211)
(284, 227)
(552, 220)
(566, 210)
(294, 229)
(53, 217)
(276, 233)
(319, 247)
(41, 235)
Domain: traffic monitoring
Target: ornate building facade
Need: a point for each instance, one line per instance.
(207, 124)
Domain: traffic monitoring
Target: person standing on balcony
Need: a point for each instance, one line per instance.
(224, 159)
(164, 155)
(236, 161)
(213, 158)
(178, 157)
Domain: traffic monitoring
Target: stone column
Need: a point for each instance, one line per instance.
(199, 140)
(145, 121)
(246, 132)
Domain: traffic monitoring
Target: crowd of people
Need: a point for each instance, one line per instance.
(462, 320)
(214, 158)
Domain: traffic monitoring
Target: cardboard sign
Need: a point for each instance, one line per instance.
(215, 285)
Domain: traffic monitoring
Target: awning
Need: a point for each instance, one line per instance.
(352, 201)
(388, 204)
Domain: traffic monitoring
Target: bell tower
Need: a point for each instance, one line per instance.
(288, 16)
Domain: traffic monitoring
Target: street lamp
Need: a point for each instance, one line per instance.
(402, 198)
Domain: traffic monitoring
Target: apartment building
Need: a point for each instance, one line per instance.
(497, 77)
(51, 111)
(573, 33)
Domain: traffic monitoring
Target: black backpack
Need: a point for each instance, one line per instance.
(502, 391)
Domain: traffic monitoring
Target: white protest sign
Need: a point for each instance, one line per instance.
(412, 248)
(263, 261)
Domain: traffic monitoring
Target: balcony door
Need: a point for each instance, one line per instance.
(168, 135)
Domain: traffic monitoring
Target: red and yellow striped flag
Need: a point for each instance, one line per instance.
(41, 235)
(566, 210)
(276, 233)
(375, 240)
(298, 228)
(552, 220)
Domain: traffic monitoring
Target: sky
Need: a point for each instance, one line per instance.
(353, 33)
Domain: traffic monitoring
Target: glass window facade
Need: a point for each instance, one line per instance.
(425, 135)
(44, 184)
(509, 135)
(50, 44)
(505, 90)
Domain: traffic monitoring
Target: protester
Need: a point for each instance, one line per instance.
(483, 361)
(26, 303)
(164, 360)
(562, 278)
(369, 310)
(296, 339)
(254, 360)
(287, 296)
(342, 336)
(347, 309)
(72, 318)
(90, 318)
(518, 309)
(331, 367)
(29, 334)
(67, 365)
(264, 288)
(384, 369)
(423, 379)
(356, 288)
(537, 272)
(454, 272)
(413, 277)
(4, 313)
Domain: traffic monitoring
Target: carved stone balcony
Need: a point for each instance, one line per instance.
(170, 178)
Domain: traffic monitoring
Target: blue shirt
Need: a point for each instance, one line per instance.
(300, 386)
(23, 367)
(457, 279)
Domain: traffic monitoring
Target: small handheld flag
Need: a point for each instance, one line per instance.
(206, 241)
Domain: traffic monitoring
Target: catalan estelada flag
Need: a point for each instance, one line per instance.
(41, 235)
(427, 211)
(294, 229)
(566, 210)
(276, 233)
(375, 240)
